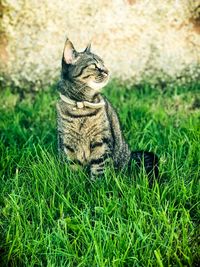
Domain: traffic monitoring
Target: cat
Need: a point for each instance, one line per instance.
(89, 132)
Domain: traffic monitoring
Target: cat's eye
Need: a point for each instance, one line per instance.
(92, 66)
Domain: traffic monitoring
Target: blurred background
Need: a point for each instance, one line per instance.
(140, 40)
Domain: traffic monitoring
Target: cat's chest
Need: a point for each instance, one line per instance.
(88, 126)
(82, 126)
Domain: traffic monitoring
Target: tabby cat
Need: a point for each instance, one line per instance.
(89, 132)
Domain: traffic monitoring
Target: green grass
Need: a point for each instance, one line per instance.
(52, 216)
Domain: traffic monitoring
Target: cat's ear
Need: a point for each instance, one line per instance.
(88, 48)
(69, 53)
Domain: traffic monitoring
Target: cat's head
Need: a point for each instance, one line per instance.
(83, 68)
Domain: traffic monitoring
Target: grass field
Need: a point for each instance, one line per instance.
(51, 216)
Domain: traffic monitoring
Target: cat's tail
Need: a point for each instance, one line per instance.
(147, 159)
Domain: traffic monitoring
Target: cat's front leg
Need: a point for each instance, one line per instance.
(69, 156)
(100, 157)
(97, 167)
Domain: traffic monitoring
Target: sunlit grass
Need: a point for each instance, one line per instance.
(52, 216)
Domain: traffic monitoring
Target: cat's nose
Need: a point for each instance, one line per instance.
(104, 71)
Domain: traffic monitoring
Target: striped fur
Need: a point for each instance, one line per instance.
(90, 136)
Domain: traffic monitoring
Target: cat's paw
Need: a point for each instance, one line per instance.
(96, 177)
